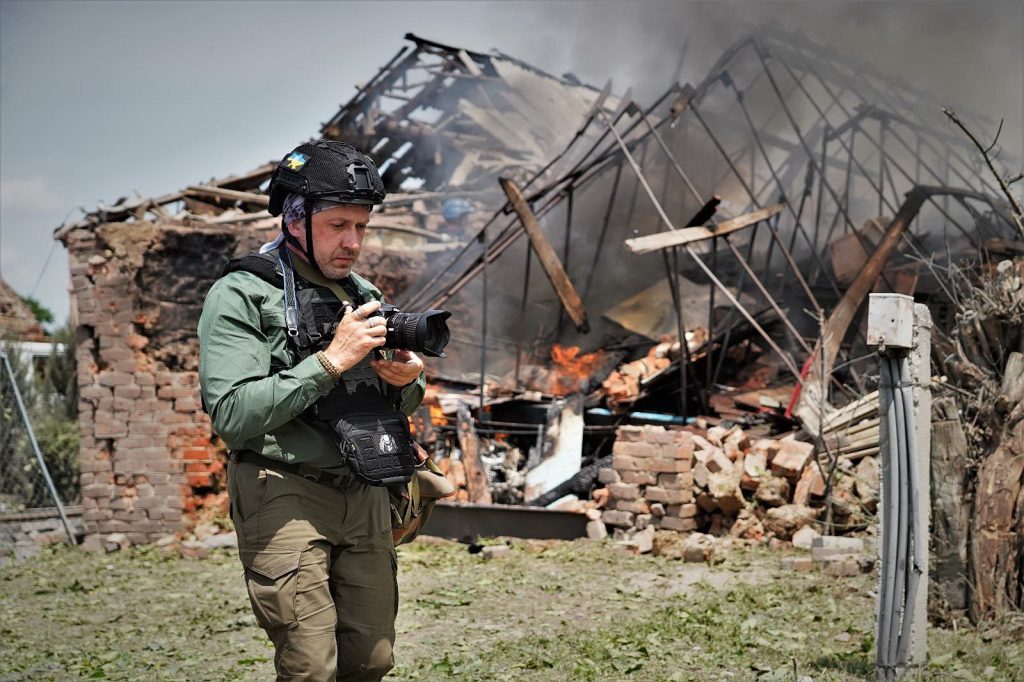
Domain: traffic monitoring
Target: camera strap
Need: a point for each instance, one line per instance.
(291, 312)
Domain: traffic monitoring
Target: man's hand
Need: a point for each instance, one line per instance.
(359, 332)
(403, 368)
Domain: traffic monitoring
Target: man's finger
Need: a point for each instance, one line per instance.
(364, 311)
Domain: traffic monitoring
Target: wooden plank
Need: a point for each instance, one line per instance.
(688, 235)
(469, 443)
(838, 324)
(229, 194)
(548, 258)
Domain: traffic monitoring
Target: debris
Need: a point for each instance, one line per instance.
(596, 530)
(495, 552)
(804, 538)
(785, 520)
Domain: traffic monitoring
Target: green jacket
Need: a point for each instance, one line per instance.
(240, 330)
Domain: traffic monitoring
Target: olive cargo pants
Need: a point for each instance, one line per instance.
(320, 570)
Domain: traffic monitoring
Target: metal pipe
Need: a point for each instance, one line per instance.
(483, 330)
(887, 538)
(903, 528)
(38, 453)
(918, 536)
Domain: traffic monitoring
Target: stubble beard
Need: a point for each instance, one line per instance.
(333, 271)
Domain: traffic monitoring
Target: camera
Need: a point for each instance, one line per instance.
(425, 333)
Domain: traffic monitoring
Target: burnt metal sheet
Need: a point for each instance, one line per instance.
(459, 521)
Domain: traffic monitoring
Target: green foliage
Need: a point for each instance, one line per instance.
(42, 314)
(51, 401)
(558, 612)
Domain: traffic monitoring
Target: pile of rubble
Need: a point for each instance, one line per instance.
(722, 483)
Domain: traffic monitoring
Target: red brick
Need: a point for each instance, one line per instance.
(811, 483)
(632, 506)
(700, 475)
(97, 490)
(624, 491)
(682, 481)
(639, 477)
(187, 405)
(115, 378)
(174, 392)
(658, 434)
(677, 524)
(629, 434)
(683, 511)
(622, 519)
(127, 391)
(718, 461)
(626, 463)
(633, 449)
(792, 457)
(665, 465)
(666, 496)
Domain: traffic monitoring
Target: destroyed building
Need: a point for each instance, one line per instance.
(735, 220)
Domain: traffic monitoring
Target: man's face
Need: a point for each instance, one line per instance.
(337, 238)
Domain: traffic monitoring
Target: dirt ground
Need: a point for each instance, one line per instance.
(548, 611)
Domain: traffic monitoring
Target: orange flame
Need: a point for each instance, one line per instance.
(437, 417)
(571, 370)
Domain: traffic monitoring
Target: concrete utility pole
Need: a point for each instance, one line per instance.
(902, 331)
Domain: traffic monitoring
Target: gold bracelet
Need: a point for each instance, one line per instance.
(333, 372)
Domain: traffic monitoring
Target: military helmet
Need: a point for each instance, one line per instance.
(326, 169)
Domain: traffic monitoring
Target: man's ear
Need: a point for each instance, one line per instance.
(295, 229)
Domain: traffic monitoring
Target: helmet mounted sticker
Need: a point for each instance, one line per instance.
(295, 161)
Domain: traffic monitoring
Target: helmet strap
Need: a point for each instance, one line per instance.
(309, 237)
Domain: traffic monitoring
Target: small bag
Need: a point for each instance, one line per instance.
(412, 503)
(377, 447)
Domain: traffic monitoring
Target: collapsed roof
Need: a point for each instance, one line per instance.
(781, 171)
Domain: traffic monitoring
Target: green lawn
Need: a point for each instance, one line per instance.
(550, 611)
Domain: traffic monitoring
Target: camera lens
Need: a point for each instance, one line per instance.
(425, 333)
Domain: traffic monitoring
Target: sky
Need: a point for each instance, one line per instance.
(100, 100)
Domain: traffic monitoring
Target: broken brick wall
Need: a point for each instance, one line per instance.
(721, 483)
(650, 481)
(148, 456)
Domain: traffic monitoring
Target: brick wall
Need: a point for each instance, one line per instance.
(149, 460)
(650, 481)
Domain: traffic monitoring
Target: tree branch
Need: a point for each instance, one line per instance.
(1018, 213)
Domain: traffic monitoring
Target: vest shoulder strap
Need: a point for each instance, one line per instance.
(262, 265)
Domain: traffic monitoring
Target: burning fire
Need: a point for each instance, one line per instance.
(571, 370)
(437, 417)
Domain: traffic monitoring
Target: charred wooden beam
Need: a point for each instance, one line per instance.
(469, 443)
(688, 235)
(548, 258)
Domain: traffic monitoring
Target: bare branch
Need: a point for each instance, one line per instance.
(994, 139)
(1018, 213)
(1016, 178)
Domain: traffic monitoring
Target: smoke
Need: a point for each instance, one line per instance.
(966, 54)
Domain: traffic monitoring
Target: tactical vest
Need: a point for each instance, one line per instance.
(372, 436)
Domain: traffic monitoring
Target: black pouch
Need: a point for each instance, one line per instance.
(377, 447)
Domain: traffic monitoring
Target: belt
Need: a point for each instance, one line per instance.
(310, 473)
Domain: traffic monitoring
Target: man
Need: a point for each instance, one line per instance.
(314, 524)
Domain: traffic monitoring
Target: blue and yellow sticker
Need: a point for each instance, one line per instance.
(295, 161)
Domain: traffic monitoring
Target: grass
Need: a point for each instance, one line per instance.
(549, 611)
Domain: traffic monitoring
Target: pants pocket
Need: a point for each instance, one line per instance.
(271, 580)
(247, 485)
